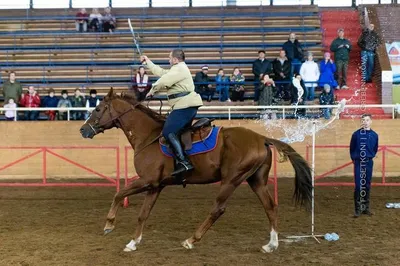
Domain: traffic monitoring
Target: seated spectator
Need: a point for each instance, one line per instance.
(326, 98)
(81, 21)
(260, 67)
(299, 94)
(202, 84)
(95, 20)
(222, 85)
(10, 114)
(31, 99)
(309, 72)
(92, 102)
(294, 52)
(109, 22)
(141, 85)
(78, 101)
(51, 101)
(328, 69)
(237, 80)
(267, 91)
(282, 68)
(64, 102)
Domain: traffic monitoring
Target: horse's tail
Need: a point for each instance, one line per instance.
(302, 180)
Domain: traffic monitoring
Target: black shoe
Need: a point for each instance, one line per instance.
(183, 164)
(367, 210)
(357, 204)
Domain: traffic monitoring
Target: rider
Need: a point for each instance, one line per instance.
(182, 98)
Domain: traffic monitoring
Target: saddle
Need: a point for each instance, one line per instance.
(199, 131)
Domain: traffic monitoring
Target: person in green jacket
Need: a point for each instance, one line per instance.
(341, 47)
(183, 100)
(12, 89)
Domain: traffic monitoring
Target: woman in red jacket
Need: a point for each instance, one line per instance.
(31, 99)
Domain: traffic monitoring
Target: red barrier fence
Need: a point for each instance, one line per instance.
(131, 177)
(45, 151)
(383, 151)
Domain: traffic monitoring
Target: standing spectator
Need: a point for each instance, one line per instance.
(261, 66)
(267, 91)
(92, 102)
(282, 68)
(237, 80)
(64, 102)
(299, 94)
(202, 84)
(109, 21)
(78, 101)
(31, 99)
(95, 20)
(12, 89)
(141, 85)
(341, 47)
(294, 52)
(368, 42)
(81, 21)
(222, 85)
(10, 114)
(326, 98)
(328, 69)
(363, 148)
(309, 71)
(51, 101)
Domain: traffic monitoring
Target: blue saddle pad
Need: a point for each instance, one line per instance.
(202, 146)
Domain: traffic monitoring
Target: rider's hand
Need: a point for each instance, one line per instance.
(144, 58)
(149, 94)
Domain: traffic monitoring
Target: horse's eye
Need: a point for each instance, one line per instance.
(97, 109)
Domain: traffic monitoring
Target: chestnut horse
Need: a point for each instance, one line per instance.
(240, 155)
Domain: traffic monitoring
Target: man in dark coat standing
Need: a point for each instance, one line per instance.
(260, 67)
(363, 148)
(341, 47)
(294, 52)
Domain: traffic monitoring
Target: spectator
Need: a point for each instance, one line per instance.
(326, 98)
(222, 86)
(299, 94)
(92, 102)
(81, 21)
(12, 89)
(294, 52)
(341, 47)
(368, 42)
(141, 84)
(260, 67)
(78, 101)
(237, 80)
(309, 72)
(109, 22)
(328, 69)
(202, 83)
(282, 68)
(31, 99)
(95, 20)
(50, 101)
(267, 91)
(10, 114)
(64, 102)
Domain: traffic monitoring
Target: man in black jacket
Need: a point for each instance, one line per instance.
(294, 52)
(368, 42)
(341, 47)
(282, 75)
(260, 67)
(202, 84)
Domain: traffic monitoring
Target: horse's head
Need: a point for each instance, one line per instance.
(104, 117)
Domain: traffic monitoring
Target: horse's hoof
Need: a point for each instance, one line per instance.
(268, 248)
(187, 245)
(107, 231)
(131, 246)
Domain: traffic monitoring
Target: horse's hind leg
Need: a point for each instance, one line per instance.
(258, 183)
(218, 209)
(137, 186)
(148, 204)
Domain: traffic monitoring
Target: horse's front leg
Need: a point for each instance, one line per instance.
(137, 186)
(148, 205)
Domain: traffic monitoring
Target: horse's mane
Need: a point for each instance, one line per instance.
(131, 98)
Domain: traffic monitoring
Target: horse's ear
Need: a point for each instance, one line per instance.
(110, 93)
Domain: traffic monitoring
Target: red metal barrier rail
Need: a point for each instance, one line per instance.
(129, 178)
(112, 182)
(383, 149)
